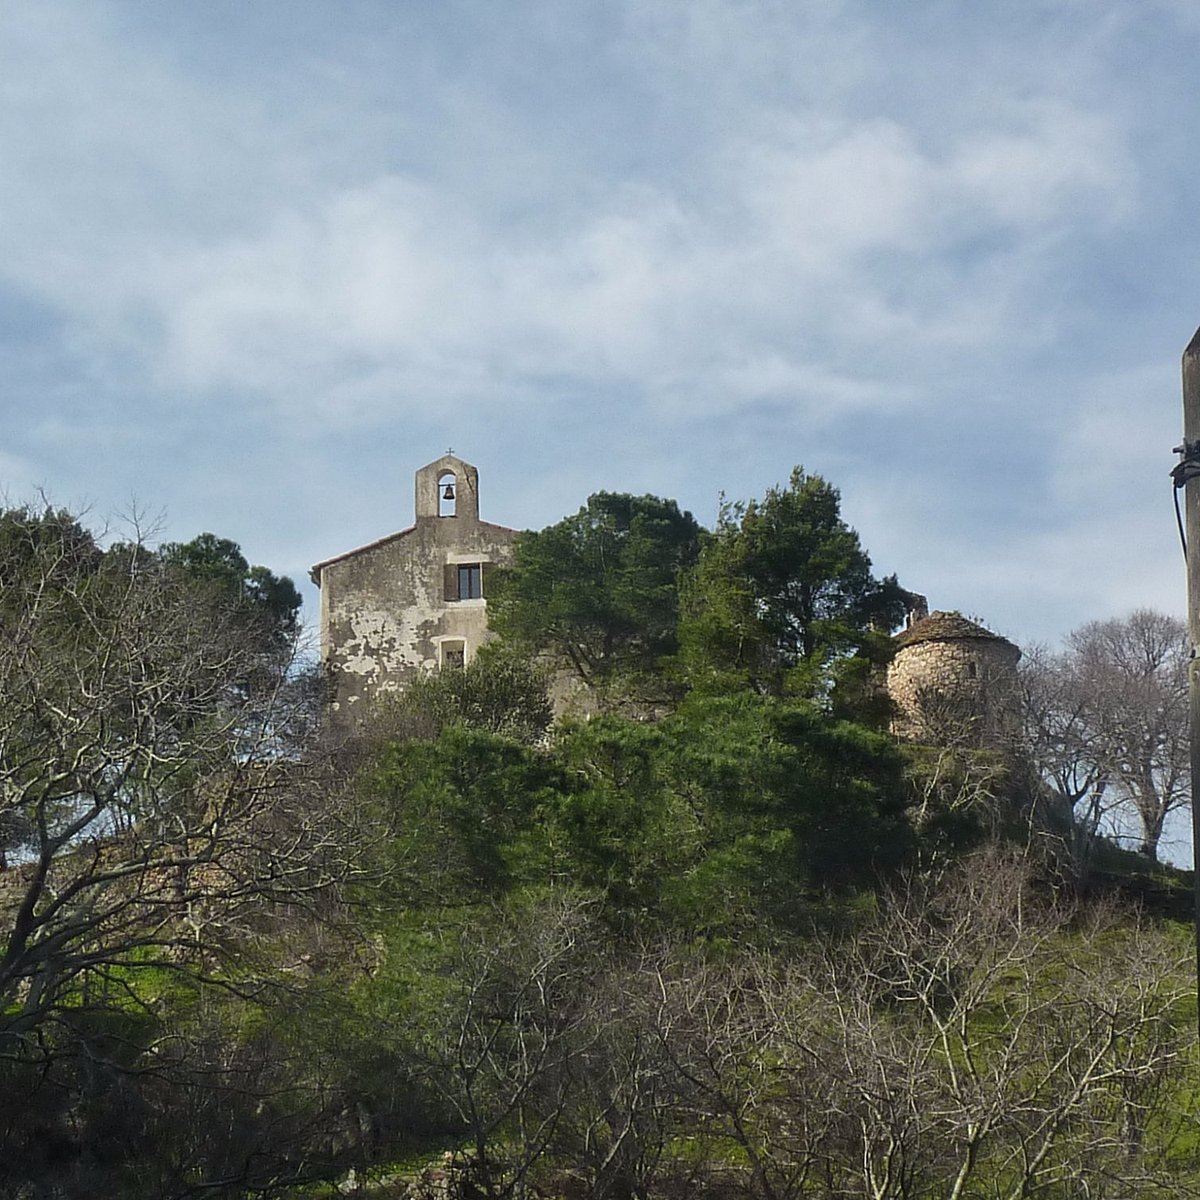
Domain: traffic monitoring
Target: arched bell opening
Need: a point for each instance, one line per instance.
(447, 493)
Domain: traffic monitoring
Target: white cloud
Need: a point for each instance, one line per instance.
(823, 195)
(722, 216)
(1061, 165)
(399, 276)
(850, 228)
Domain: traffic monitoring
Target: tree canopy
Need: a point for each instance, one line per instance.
(742, 816)
(596, 592)
(270, 601)
(782, 588)
(735, 940)
(498, 691)
(1107, 724)
(632, 598)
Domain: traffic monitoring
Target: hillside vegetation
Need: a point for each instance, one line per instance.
(722, 937)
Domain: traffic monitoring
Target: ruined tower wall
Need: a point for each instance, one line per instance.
(954, 682)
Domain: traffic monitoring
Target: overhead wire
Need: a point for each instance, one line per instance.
(1185, 470)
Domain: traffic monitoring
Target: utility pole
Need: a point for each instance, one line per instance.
(1187, 476)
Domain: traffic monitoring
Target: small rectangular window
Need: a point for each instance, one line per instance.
(470, 581)
(452, 654)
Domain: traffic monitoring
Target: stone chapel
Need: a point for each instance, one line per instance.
(414, 601)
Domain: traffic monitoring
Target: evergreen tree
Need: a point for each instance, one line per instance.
(782, 590)
(596, 592)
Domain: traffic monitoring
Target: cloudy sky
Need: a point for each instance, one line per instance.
(260, 261)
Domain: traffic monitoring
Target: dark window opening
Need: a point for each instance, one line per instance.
(972, 671)
(454, 657)
(470, 581)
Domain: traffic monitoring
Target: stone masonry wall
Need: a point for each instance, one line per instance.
(962, 691)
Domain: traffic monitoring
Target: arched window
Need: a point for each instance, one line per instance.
(447, 490)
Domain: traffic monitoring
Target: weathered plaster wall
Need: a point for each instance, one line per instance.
(385, 615)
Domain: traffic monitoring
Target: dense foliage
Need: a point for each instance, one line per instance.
(596, 592)
(259, 596)
(744, 817)
(782, 594)
(722, 936)
(497, 691)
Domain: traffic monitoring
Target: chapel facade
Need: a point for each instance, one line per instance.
(414, 601)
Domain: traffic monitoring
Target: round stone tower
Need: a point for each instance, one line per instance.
(954, 682)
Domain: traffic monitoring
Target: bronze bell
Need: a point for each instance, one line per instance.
(448, 494)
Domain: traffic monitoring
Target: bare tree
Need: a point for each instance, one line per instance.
(728, 1029)
(979, 1042)
(504, 1053)
(976, 1040)
(1107, 723)
(1134, 673)
(1061, 738)
(151, 797)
